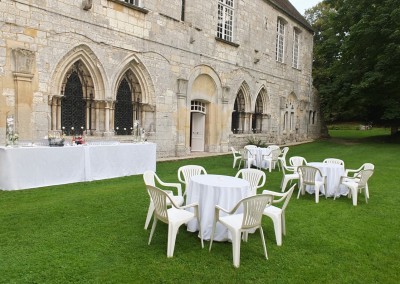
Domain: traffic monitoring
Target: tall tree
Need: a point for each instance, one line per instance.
(357, 59)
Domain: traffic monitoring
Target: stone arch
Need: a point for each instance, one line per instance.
(207, 74)
(133, 64)
(92, 64)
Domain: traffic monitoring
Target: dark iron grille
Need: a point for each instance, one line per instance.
(238, 114)
(256, 123)
(73, 106)
(124, 109)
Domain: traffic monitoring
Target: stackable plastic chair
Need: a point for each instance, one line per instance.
(289, 174)
(278, 214)
(236, 156)
(247, 157)
(151, 178)
(255, 177)
(284, 152)
(186, 172)
(354, 172)
(309, 176)
(248, 221)
(174, 217)
(356, 183)
(297, 161)
(334, 161)
(272, 159)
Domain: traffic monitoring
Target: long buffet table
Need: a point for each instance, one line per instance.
(30, 167)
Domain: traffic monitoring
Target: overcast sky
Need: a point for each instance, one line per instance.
(302, 5)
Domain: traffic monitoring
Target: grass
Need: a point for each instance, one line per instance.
(93, 232)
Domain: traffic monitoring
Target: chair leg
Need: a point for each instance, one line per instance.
(149, 215)
(153, 228)
(263, 242)
(200, 232)
(236, 248)
(354, 194)
(212, 234)
(316, 193)
(278, 229)
(283, 223)
(172, 232)
(284, 183)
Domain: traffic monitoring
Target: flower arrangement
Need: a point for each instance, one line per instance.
(11, 135)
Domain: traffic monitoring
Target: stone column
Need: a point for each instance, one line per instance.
(23, 74)
(226, 114)
(180, 147)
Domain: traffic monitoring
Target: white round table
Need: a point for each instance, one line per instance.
(212, 190)
(333, 172)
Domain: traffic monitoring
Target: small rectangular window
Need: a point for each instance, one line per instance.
(133, 2)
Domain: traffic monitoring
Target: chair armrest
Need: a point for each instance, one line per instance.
(189, 205)
(178, 186)
(282, 195)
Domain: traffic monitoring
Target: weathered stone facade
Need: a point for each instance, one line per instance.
(174, 58)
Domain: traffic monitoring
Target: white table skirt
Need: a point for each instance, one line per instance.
(259, 154)
(30, 167)
(333, 172)
(212, 190)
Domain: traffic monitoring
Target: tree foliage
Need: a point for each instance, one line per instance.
(357, 59)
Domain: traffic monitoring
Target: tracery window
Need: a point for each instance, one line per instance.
(133, 2)
(238, 114)
(225, 19)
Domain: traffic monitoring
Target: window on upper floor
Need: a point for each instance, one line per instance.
(133, 2)
(225, 19)
(280, 40)
(296, 49)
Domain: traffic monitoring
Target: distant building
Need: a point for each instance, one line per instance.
(195, 75)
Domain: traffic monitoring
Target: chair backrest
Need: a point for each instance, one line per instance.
(275, 153)
(297, 161)
(186, 172)
(234, 152)
(255, 177)
(159, 198)
(284, 152)
(149, 178)
(246, 153)
(283, 165)
(307, 174)
(368, 166)
(364, 176)
(288, 196)
(333, 161)
(250, 146)
(253, 208)
(273, 147)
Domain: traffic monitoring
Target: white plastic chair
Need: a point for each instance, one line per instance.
(334, 161)
(284, 152)
(174, 217)
(255, 177)
(356, 183)
(186, 172)
(245, 222)
(150, 178)
(247, 157)
(236, 156)
(297, 161)
(289, 174)
(272, 159)
(309, 176)
(278, 214)
(354, 172)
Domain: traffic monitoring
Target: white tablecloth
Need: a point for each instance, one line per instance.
(211, 190)
(30, 167)
(259, 154)
(333, 172)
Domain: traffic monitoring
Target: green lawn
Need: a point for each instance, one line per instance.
(93, 232)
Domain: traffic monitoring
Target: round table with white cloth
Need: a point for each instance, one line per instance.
(209, 191)
(333, 172)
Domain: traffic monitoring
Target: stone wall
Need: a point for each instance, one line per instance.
(110, 36)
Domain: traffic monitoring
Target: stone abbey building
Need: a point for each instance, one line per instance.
(195, 75)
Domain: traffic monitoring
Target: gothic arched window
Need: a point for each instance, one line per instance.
(238, 114)
(124, 109)
(73, 105)
(256, 123)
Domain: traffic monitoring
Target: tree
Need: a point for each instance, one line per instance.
(357, 60)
